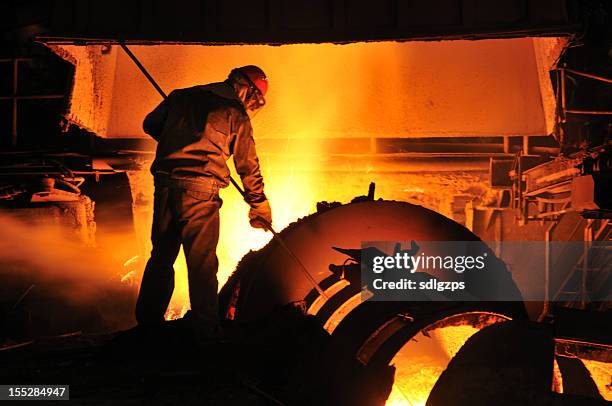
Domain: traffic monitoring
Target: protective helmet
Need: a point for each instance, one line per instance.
(256, 76)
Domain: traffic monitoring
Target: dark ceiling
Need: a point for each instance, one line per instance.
(295, 21)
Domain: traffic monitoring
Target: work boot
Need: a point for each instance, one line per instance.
(205, 334)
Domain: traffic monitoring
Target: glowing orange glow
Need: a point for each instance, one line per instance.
(601, 372)
(557, 385)
(347, 307)
(421, 361)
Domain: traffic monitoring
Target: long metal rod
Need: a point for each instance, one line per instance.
(280, 240)
(23, 295)
(547, 263)
(251, 386)
(14, 104)
(588, 75)
(142, 69)
(563, 102)
(589, 112)
(268, 226)
(302, 267)
(588, 239)
(564, 108)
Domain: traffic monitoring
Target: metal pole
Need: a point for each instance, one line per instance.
(302, 267)
(589, 112)
(588, 238)
(547, 263)
(588, 75)
(280, 240)
(14, 106)
(563, 119)
(142, 69)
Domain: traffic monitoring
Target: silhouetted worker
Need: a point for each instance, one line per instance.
(197, 130)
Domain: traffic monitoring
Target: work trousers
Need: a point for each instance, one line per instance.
(185, 211)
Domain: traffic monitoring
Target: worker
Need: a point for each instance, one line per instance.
(197, 129)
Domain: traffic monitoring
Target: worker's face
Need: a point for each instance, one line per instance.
(252, 99)
(253, 108)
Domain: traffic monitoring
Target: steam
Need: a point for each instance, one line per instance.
(54, 259)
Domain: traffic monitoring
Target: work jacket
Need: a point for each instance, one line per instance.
(197, 130)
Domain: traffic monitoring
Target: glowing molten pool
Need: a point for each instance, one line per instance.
(421, 361)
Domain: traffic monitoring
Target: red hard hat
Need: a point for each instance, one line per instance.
(256, 76)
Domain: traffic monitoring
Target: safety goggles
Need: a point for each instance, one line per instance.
(256, 97)
(255, 100)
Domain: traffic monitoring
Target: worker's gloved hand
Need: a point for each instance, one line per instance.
(260, 211)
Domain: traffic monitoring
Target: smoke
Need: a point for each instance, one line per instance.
(52, 255)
